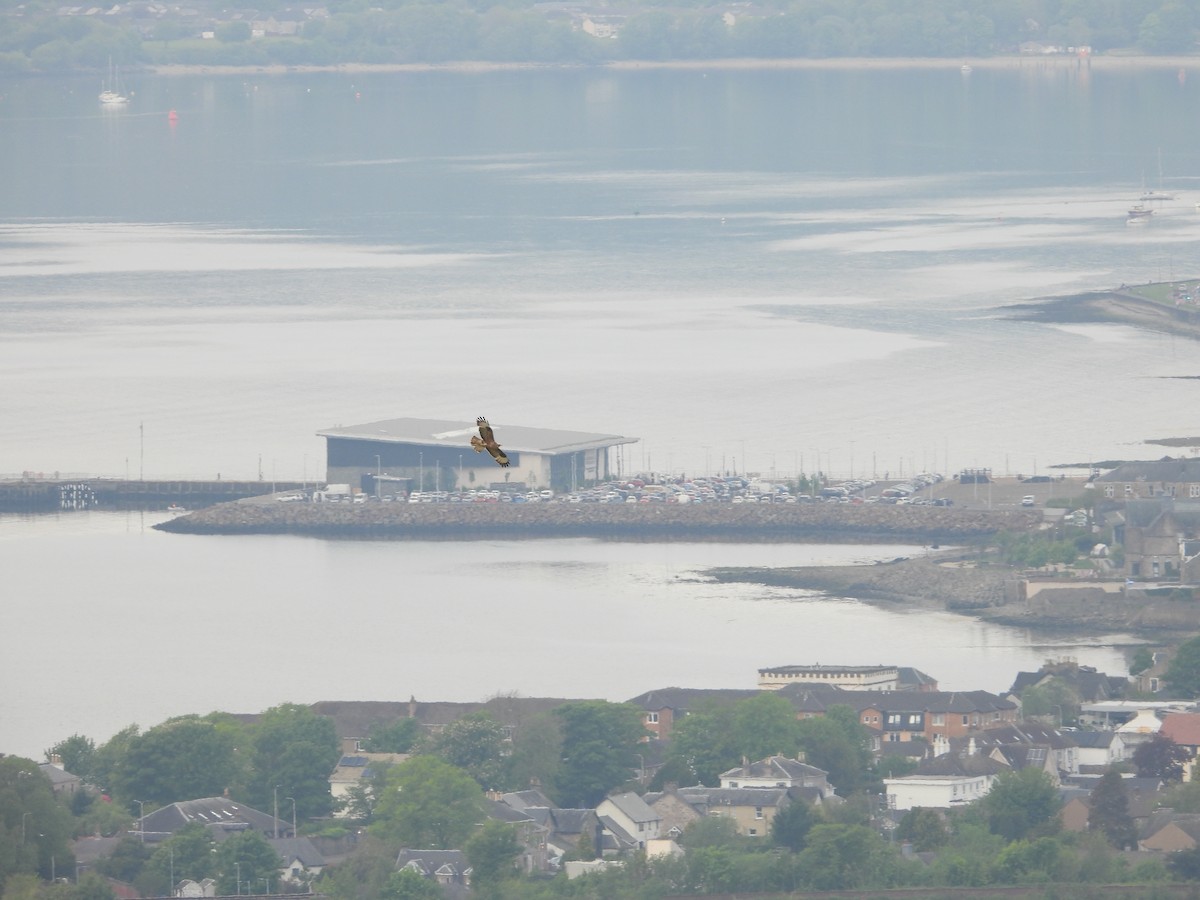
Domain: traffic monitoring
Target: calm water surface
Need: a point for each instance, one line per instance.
(108, 622)
(774, 271)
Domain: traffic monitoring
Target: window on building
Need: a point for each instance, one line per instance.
(652, 718)
(1194, 490)
(753, 832)
(1109, 491)
(893, 718)
(939, 718)
(758, 813)
(965, 720)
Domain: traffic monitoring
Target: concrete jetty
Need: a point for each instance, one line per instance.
(42, 494)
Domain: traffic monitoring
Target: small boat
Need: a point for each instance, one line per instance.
(1155, 195)
(176, 508)
(1138, 213)
(110, 91)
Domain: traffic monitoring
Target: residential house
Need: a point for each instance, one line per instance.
(751, 809)
(62, 782)
(1184, 730)
(1023, 744)
(663, 707)
(1168, 831)
(448, 868)
(300, 860)
(780, 771)
(353, 770)
(1143, 794)
(530, 833)
(1076, 808)
(627, 816)
(1084, 682)
(1177, 478)
(1098, 750)
(206, 887)
(944, 782)
(221, 815)
(565, 829)
(675, 812)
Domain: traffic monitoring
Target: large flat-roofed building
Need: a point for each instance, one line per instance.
(855, 678)
(436, 454)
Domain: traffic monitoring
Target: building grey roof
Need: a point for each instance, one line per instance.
(219, 813)
(1095, 740)
(452, 863)
(633, 807)
(706, 798)
(684, 699)
(503, 812)
(457, 432)
(818, 669)
(1167, 469)
(57, 775)
(954, 764)
(526, 798)
(300, 848)
(777, 767)
(914, 679)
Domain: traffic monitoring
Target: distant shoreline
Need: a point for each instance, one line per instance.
(1107, 63)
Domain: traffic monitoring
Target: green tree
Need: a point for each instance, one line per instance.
(536, 756)
(182, 759)
(126, 860)
(791, 825)
(1021, 805)
(247, 864)
(35, 829)
(1026, 861)
(837, 743)
(710, 831)
(398, 737)
(361, 876)
(1183, 671)
(110, 756)
(77, 753)
(925, 829)
(599, 741)
(427, 803)
(846, 857)
(409, 885)
(1160, 757)
(1108, 811)
(717, 737)
(474, 743)
(1143, 659)
(294, 750)
(492, 852)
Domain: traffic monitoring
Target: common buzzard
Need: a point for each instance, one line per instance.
(487, 441)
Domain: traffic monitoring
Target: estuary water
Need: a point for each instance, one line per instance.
(108, 622)
(774, 271)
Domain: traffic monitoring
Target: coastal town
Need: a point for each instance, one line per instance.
(874, 750)
(1101, 761)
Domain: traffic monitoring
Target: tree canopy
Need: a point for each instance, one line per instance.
(413, 31)
(426, 802)
(598, 749)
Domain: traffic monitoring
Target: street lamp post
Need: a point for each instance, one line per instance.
(293, 799)
(239, 878)
(378, 473)
(23, 815)
(141, 819)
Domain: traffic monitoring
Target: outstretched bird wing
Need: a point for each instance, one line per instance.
(487, 441)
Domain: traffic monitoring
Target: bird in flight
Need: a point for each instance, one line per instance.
(487, 441)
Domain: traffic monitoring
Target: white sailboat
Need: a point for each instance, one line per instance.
(110, 93)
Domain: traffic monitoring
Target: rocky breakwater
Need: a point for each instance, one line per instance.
(643, 521)
(936, 581)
